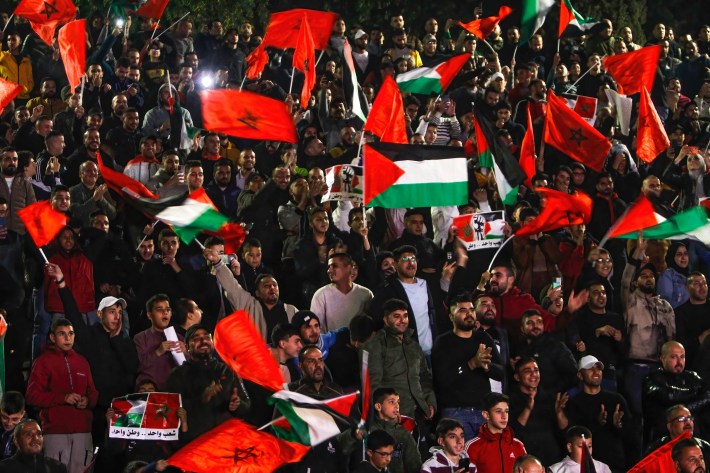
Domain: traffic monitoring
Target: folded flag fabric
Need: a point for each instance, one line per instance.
(401, 176)
(366, 388)
(72, 47)
(434, 79)
(42, 222)
(482, 230)
(622, 105)
(145, 416)
(304, 60)
(485, 26)
(351, 88)
(527, 153)
(311, 421)
(586, 465)
(236, 447)
(559, 210)
(386, 118)
(634, 69)
(572, 23)
(344, 182)
(651, 137)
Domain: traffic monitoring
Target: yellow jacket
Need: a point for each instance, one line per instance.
(18, 73)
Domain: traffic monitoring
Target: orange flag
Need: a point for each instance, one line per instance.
(284, 26)
(651, 138)
(256, 61)
(634, 69)
(659, 461)
(152, 9)
(559, 209)
(527, 153)
(572, 135)
(304, 59)
(485, 26)
(8, 91)
(247, 115)
(42, 222)
(236, 447)
(72, 47)
(386, 118)
(44, 17)
(242, 347)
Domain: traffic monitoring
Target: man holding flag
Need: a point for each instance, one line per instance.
(579, 458)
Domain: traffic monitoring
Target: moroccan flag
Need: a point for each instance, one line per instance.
(283, 28)
(432, 80)
(304, 59)
(651, 137)
(365, 380)
(527, 153)
(256, 61)
(386, 118)
(247, 115)
(480, 231)
(400, 176)
(42, 222)
(571, 22)
(660, 461)
(8, 92)
(509, 175)
(570, 134)
(586, 107)
(236, 447)
(634, 69)
(532, 17)
(242, 347)
(44, 17)
(72, 47)
(559, 210)
(692, 223)
(485, 26)
(311, 421)
(122, 184)
(145, 416)
(637, 216)
(350, 84)
(586, 465)
(152, 9)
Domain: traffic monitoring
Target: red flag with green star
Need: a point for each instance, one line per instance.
(570, 134)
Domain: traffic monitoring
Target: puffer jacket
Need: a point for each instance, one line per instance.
(401, 365)
(494, 452)
(18, 73)
(55, 374)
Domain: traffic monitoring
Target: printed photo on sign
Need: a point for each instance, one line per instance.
(481, 230)
(344, 183)
(146, 416)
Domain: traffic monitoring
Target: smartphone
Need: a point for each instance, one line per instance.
(449, 256)
(557, 282)
(464, 463)
(227, 259)
(119, 22)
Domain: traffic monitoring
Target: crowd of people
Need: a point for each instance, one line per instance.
(515, 363)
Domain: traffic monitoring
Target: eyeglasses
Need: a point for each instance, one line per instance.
(413, 259)
(603, 260)
(383, 454)
(683, 419)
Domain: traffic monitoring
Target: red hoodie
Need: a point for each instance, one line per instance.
(495, 452)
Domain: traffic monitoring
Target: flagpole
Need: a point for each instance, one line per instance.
(243, 81)
(152, 225)
(605, 238)
(558, 45)
(490, 265)
(168, 28)
(319, 57)
(293, 73)
(41, 251)
(586, 72)
(489, 46)
(154, 30)
(8, 23)
(81, 90)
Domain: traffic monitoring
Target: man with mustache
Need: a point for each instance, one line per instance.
(15, 189)
(464, 361)
(688, 457)
(678, 421)
(211, 392)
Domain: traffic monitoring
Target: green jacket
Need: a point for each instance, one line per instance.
(401, 365)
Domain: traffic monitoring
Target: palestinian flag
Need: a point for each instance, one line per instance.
(311, 421)
(432, 80)
(692, 223)
(145, 416)
(400, 176)
(532, 17)
(509, 175)
(351, 86)
(480, 231)
(572, 23)
(638, 216)
(586, 464)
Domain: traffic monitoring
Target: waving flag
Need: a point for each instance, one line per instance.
(401, 176)
(485, 26)
(236, 447)
(660, 460)
(152, 9)
(527, 153)
(190, 218)
(122, 184)
(72, 48)
(532, 17)
(651, 137)
(432, 80)
(42, 222)
(572, 135)
(571, 22)
(283, 28)
(482, 230)
(8, 92)
(634, 69)
(558, 210)
(241, 346)
(692, 223)
(45, 16)
(637, 216)
(386, 118)
(350, 83)
(256, 61)
(247, 115)
(304, 59)
(232, 233)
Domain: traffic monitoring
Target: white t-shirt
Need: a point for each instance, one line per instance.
(335, 309)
